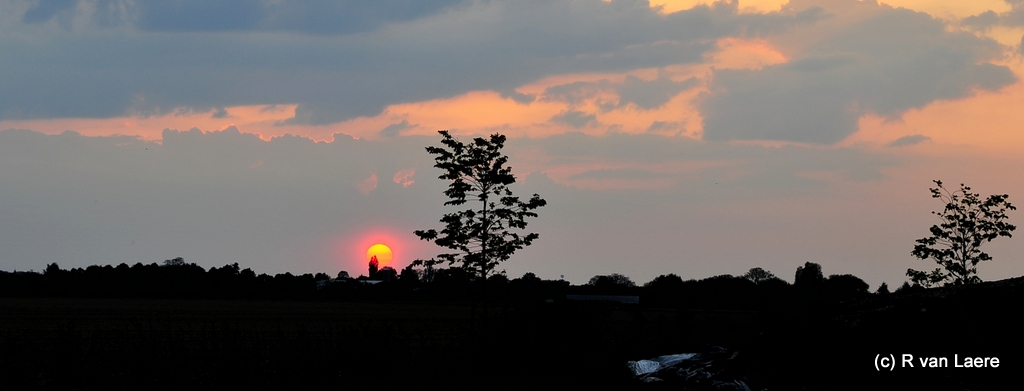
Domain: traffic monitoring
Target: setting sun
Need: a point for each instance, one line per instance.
(382, 252)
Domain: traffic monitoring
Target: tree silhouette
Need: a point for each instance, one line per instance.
(954, 244)
(664, 282)
(758, 275)
(373, 267)
(409, 275)
(808, 275)
(483, 236)
(883, 289)
(610, 281)
(179, 261)
(388, 274)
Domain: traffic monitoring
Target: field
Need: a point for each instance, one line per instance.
(66, 343)
(57, 343)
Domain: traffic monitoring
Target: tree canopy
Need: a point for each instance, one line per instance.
(966, 222)
(488, 232)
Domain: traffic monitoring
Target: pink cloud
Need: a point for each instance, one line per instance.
(404, 177)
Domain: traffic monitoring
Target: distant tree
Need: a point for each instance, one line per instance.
(758, 275)
(388, 274)
(497, 279)
(611, 280)
(427, 274)
(665, 281)
(409, 275)
(883, 289)
(343, 275)
(373, 268)
(450, 276)
(530, 277)
(52, 269)
(179, 261)
(227, 270)
(906, 287)
(846, 285)
(247, 273)
(480, 237)
(967, 222)
(808, 275)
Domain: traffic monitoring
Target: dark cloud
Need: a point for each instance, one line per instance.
(772, 169)
(326, 17)
(652, 94)
(574, 93)
(46, 10)
(321, 17)
(517, 96)
(909, 140)
(339, 60)
(644, 94)
(988, 19)
(395, 129)
(574, 118)
(660, 126)
(981, 21)
(893, 61)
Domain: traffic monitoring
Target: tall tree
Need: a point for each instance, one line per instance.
(373, 267)
(967, 222)
(486, 232)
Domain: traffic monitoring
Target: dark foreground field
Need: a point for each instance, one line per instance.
(62, 343)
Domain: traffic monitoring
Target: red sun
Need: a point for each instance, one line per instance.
(382, 252)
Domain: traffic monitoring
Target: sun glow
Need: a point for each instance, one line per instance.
(382, 252)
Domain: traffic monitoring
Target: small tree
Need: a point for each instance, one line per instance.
(966, 223)
(758, 275)
(883, 289)
(483, 236)
(176, 262)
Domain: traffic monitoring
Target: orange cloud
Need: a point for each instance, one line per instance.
(257, 119)
(473, 113)
(736, 53)
(988, 120)
(749, 6)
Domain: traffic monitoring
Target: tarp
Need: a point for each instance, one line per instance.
(706, 370)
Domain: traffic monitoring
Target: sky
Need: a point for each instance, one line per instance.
(689, 137)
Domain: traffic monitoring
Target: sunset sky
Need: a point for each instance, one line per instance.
(684, 137)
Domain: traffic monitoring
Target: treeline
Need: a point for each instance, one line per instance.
(757, 289)
(176, 279)
(173, 279)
